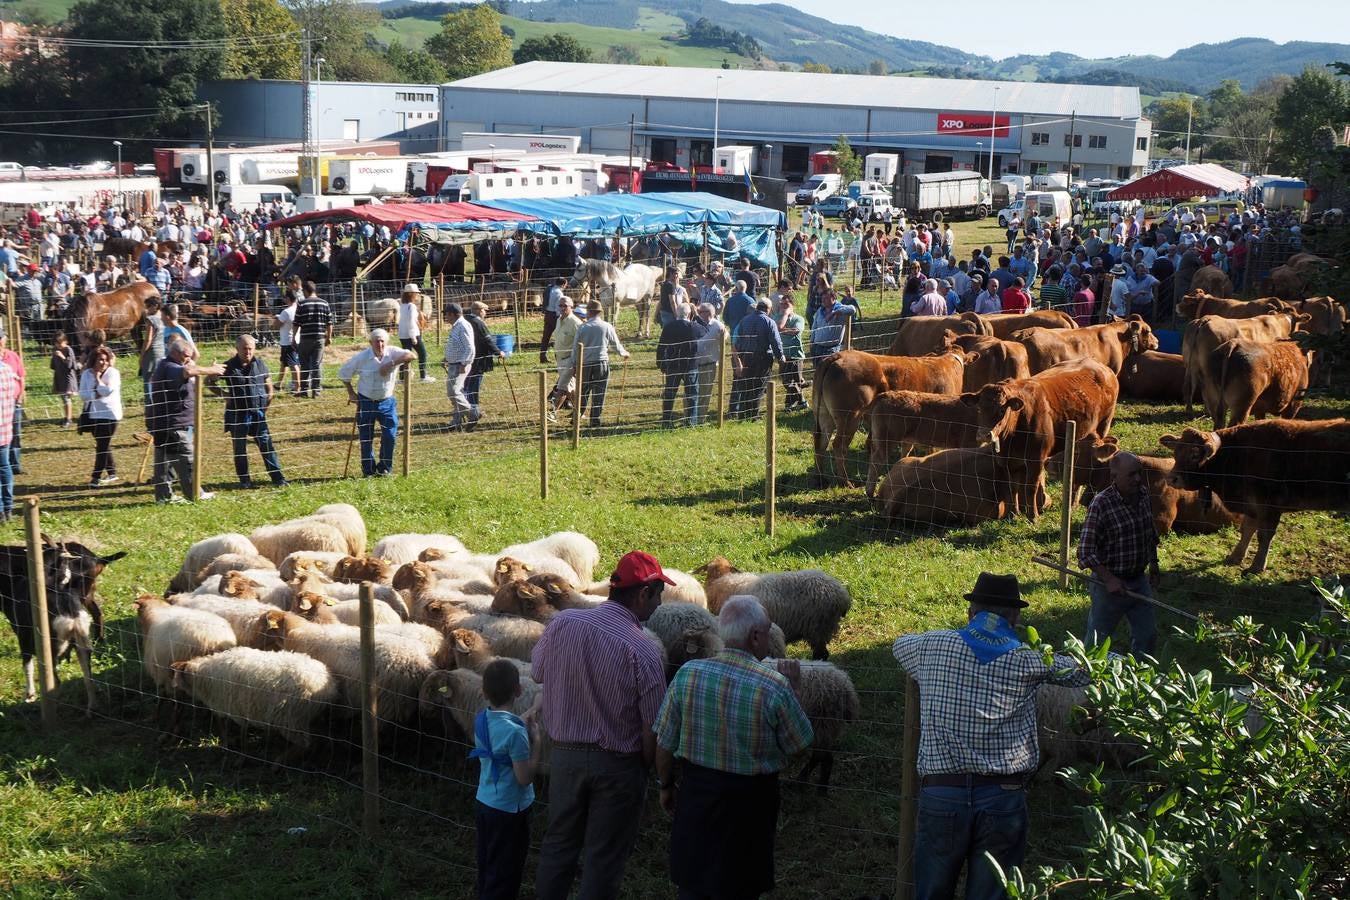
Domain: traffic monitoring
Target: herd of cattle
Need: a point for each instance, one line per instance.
(994, 394)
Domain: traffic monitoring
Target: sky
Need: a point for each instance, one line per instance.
(997, 28)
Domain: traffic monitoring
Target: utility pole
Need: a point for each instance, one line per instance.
(631, 179)
(1073, 121)
(1189, 111)
(210, 159)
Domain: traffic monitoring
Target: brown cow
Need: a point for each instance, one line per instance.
(115, 312)
(1293, 280)
(1327, 316)
(1197, 304)
(1174, 509)
(1107, 344)
(850, 380)
(1211, 280)
(901, 419)
(1256, 378)
(949, 487)
(1203, 336)
(1153, 375)
(1024, 421)
(921, 335)
(999, 359)
(1004, 324)
(1263, 470)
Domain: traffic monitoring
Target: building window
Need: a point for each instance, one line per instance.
(509, 182)
(489, 181)
(1097, 142)
(1040, 168)
(1123, 172)
(1040, 138)
(1141, 144)
(1077, 140)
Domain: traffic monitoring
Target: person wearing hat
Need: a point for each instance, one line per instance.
(727, 727)
(28, 301)
(596, 337)
(603, 682)
(458, 363)
(410, 322)
(977, 741)
(1118, 307)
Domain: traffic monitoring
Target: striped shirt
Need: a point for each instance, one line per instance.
(603, 678)
(313, 318)
(459, 344)
(734, 714)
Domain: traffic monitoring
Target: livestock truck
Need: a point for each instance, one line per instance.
(942, 195)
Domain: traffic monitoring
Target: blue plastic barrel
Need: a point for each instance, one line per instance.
(1168, 341)
(507, 343)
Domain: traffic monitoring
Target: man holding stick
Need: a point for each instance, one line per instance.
(376, 371)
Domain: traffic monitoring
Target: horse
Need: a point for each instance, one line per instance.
(115, 312)
(447, 260)
(635, 283)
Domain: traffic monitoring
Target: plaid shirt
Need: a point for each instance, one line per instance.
(9, 396)
(974, 719)
(1118, 533)
(734, 714)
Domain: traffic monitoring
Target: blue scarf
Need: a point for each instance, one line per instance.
(989, 636)
(500, 762)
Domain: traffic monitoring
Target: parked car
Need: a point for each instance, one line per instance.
(836, 207)
(873, 207)
(1006, 214)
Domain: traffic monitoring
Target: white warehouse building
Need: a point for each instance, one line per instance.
(935, 124)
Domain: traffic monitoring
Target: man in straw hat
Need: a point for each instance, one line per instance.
(977, 741)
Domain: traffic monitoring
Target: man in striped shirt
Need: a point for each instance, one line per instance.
(313, 328)
(732, 722)
(603, 683)
(458, 363)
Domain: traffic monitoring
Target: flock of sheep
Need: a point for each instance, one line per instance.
(263, 629)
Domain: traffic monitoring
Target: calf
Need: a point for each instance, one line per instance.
(850, 380)
(901, 419)
(1198, 303)
(1024, 422)
(1153, 375)
(1257, 378)
(1204, 335)
(921, 335)
(949, 487)
(1263, 470)
(999, 359)
(1004, 324)
(1107, 344)
(74, 617)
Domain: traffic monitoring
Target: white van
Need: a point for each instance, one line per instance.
(1051, 181)
(817, 188)
(872, 207)
(1019, 184)
(1048, 205)
(256, 194)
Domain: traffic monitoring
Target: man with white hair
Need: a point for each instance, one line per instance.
(727, 727)
(375, 370)
(169, 419)
(932, 303)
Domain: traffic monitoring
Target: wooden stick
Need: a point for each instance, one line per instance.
(1133, 595)
(198, 438)
(37, 595)
(909, 792)
(350, 442)
(145, 457)
(407, 420)
(770, 457)
(543, 435)
(509, 383)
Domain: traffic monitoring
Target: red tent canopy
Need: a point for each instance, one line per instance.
(400, 215)
(1198, 180)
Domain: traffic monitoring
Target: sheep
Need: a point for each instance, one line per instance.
(202, 553)
(422, 586)
(321, 584)
(472, 651)
(1061, 739)
(404, 548)
(314, 608)
(244, 616)
(509, 635)
(236, 561)
(438, 646)
(346, 519)
(348, 612)
(560, 593)
(356, 569)
(473, 569)
(685, 632)
(513, 568)
(171, 634)
(578, 552)
(401, 663)
(807, 604)
(276, 542)
(455, 696)
(296, 563)
(251, 584)
(686, 589)
(282, 691)
(830, 701)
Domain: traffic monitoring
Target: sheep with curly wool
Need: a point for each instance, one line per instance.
(686, 589)
(321, 584)
(513, 568)
(404, 548)
(438, 646)
(244, 616)
(301, 561)
(685, 632)
(348, 612)
(356, 569)
(346, 519)
(520, 598)
(314, 608)
(453, 697)
(171, 634)
(830, 701)
(252, 584)
(578, 552)
(473, 651)
(232, 561)
(276, 542)
(281, 691)
(202, 553)
(808, 604)
(419, 584)
(510, 636)
(561, 595)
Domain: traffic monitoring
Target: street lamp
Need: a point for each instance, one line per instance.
(118, 145)
(979, 153)
(717, 113)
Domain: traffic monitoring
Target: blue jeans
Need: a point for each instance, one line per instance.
(6, 481)
(1108, 609)
(385, 412)
(956, 826)
(311, 362)
(15, 444)
(254, 426)
(473, 384)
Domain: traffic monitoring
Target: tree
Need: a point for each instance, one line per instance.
(1252, 124)
(848, 163)
(1315, 98)
(254, 54)
(624, 54)
(470, 41)
(1171, 114)
(339, 29)
(819, 68)
(557, 47)
(415, 66)
(877, 67)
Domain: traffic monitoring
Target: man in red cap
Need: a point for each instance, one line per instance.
(603, 683)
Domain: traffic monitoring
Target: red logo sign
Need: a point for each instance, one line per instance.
(978, 124)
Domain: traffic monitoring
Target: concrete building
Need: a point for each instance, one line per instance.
(265, 112)
(935, 124)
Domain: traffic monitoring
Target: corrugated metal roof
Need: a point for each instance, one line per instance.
(875, 91)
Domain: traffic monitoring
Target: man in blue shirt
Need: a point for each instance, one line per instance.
(757, 345)
(827, 328)
(248, 394)
(9, 259)
(740, 304)
(160, 277)
(146, 264)
(1021, 267)
(1004, 272)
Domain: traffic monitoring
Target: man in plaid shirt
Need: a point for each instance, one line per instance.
(9, 397)
(1120, 545)
(732, 722)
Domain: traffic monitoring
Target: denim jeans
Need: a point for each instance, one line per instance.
(311, 362)
(503, 842)
(16, 443)
(956, 826)
(6, 481)
(1108, 609)
(255, 428)
(473, 387)
(368, 413)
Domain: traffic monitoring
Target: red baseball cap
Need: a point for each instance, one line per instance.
(637, 568)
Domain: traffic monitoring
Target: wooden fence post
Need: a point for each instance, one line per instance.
(770, 455)
(407, 419)
(354, 302)
(37, 595)
(848, 333)
(722, 379)
(517, 298)
(543, 435)
(909, 792)
(197, 440)
(257, 295)
(1066, 510)
(370, 733)
(576, 396)
(440, 305)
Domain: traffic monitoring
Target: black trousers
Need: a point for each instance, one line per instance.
(104, 429)
(721, 843)
(418, 346)
(503, 841)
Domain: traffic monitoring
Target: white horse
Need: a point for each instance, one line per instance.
(634, 284)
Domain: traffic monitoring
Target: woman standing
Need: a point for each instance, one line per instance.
(101, 391)
(410, 322)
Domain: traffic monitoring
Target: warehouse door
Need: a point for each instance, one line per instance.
(663, 150)
(796, 160)
(935, 163)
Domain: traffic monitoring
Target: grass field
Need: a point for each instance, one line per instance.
(112, 808)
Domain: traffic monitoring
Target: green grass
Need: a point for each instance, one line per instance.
(110, 808)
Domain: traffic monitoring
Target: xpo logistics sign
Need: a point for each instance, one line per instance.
(977, 124)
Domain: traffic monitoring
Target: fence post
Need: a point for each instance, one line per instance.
(909, 792)
(370, 733)
(37, 595)
(407, 420)
(770, 456)
(1066, 512)
(543, 435)
(576, 397)
(257, 295)
(722, 379)
(440, 305)
(517, 298)
(197, 440)
(354, 301)
(848, 333)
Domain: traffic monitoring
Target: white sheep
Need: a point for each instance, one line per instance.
(232, 561)
(420, 583)
(276, 542)
(438, 646)
(170, 634)
(346, 519)
(244, 616)
(280, 690)
(808, 605)
(251, 584)
(202, 553)
(404, 548)
(685, 632)
(323, 561)
(348, 612)
(455, 696)
(686, 589)
(339, 590)
(1064, 739)
(573, 548)
(508, 635)
(830, 701)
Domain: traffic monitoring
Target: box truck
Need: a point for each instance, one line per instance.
(368, 175)
(734, 159)
(192, 166)
(504, 185)
(531, 143)
(942, 195)
(882, 167)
